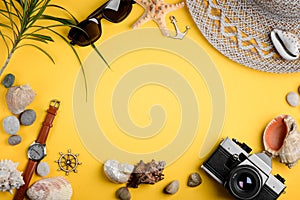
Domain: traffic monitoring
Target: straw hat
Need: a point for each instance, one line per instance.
(240, 29)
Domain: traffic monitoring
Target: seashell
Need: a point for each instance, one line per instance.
(18, 97)
(281, 138)
(172, 187)
(290, 151)
(56, 188)
(117, 172)
(286, 44)
(146, 173)
(10, 177)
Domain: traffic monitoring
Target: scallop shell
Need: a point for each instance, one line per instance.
(18, 97)
(281, 138)
(10, 177)
(56, 188)
(286, 43)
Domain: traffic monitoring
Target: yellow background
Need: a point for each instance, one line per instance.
(253, 98)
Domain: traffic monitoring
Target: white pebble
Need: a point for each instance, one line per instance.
(11, 125)
(43, 169)
(293, 99)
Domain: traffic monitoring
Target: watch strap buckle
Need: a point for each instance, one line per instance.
(55, 103)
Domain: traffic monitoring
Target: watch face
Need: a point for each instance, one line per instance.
(36, 152)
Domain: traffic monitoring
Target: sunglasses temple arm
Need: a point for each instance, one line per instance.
(98, 11)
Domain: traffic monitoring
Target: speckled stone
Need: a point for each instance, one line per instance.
(28, 117)
(8, 80)
(172, 187)
(11, 125)
(123, 193)
(194, 180)
(293, 99)
(14, 140)
(43, 169)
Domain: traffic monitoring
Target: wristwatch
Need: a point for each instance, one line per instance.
(37, 150)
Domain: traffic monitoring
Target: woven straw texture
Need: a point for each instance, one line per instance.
(240, 29)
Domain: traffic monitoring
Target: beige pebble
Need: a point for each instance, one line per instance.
(123, 193)
(172, 187)
(194, 180)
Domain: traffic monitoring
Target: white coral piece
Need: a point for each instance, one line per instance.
(10, 177)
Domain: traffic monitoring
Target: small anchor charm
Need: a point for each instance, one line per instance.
(179, 35)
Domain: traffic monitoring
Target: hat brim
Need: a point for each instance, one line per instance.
(240, 31)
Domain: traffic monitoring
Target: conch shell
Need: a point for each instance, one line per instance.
(286, 44)
(281, 138)
(18, 97)
(56, 188)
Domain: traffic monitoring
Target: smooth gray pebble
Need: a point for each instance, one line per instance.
(28, 117)
(8, 80)
(14, 140)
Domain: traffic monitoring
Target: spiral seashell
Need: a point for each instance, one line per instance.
(290, 151)
(56, 188)
(10, 177)
(282, 139)
(286, 43)
(18, 97)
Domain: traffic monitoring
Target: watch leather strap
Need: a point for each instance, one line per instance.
(42, 137)
(30, 169)
(47, 124)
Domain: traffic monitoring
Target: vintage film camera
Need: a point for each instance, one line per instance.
(244, 176)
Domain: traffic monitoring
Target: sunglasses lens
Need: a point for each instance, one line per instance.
(91, 31)
(119, 15)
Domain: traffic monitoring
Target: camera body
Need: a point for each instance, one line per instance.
(246, 176)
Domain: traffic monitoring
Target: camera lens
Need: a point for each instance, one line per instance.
(244, 182)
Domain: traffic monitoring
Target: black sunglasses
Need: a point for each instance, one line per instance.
(89, 30)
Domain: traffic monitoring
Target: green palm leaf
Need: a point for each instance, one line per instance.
(20, 24)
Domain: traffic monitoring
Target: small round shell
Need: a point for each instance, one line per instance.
(50, 189)
(18, 97)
